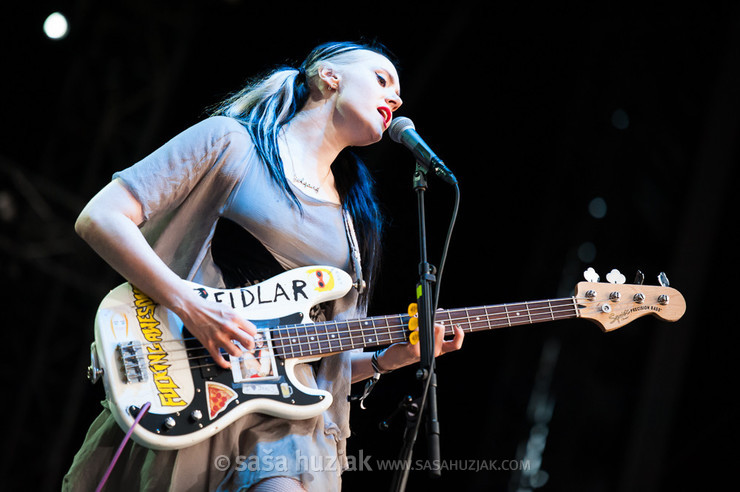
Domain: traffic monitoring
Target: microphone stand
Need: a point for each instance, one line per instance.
(426, 372)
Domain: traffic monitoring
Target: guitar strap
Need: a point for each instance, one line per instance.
(354, 250)
(360, 285)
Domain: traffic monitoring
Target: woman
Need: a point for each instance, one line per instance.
(270, 170)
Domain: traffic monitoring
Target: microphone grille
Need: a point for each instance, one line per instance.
(398, 126)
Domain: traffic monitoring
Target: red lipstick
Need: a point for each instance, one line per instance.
(387, 114)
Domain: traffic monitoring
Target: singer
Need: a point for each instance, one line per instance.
(266, 183)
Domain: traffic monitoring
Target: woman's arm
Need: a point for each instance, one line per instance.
(109, 223)
(403, 354)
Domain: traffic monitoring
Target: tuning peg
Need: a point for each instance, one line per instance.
(615, 277)
(590, 275)
(663, 280)
(639, 278)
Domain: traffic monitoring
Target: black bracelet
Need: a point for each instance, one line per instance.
(376, 365)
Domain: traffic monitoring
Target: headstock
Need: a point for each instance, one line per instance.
(614, 304)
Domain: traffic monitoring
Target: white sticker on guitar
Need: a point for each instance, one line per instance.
(260, 389)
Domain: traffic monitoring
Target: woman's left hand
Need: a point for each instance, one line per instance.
(404, 353)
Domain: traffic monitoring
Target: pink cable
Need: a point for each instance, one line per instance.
(139, 415)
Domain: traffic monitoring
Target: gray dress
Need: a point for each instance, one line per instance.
(207, 172)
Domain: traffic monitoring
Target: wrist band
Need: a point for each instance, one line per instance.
(376, 365)
(370, 382)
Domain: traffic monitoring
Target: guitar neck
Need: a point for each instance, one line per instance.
(329, 337)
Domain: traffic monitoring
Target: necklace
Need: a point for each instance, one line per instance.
(301, 180)
(304, 183)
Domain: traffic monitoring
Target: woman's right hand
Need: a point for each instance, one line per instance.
(217, 326)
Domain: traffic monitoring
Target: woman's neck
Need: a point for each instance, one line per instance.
(308, 148)
(312, 140)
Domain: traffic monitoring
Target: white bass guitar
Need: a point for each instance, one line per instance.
(144, 355)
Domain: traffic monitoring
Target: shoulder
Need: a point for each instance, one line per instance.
(219, 128)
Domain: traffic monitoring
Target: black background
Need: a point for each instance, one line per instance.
(523, 102)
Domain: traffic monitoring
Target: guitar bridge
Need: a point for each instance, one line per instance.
(133, 364)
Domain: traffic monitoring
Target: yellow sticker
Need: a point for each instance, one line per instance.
(414, 337)
(413, 309)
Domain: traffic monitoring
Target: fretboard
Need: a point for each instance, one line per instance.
(328, 337)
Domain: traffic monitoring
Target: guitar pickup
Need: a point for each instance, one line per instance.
(133, 362)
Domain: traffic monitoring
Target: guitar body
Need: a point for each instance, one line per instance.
(144, 354)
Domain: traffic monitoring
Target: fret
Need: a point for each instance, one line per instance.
(443, 317)
(477, 319)
(448, 320)
(276, 339)
(508, 318)
(301, 341)
(539, 308)
(381, 323)
(488, 312)
(311, 339)
(388, 329)
(291, 338)
(335, 339)
(386, 326)
(355, 333)
(515, 314)
(529, 314)
(286, 340)
(375, 330)
(338, 337)
(323, 336)
(500, 317)
(369, 334)
(382, 329)
(346, 335)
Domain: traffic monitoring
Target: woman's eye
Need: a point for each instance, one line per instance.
(381, 80)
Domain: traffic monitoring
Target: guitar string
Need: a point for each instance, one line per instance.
(511, 316)
(489, 318)
(397, 336)
(392, 332)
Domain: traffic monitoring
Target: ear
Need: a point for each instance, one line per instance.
(328, 73)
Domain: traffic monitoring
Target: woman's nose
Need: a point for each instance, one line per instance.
(394, 101)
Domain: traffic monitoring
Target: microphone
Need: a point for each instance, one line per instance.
(402, 131)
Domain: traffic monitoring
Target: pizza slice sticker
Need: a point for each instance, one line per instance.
(218, 396)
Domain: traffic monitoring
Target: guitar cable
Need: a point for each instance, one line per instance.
(138, 418)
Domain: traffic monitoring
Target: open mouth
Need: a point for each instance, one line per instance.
(387, 115)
